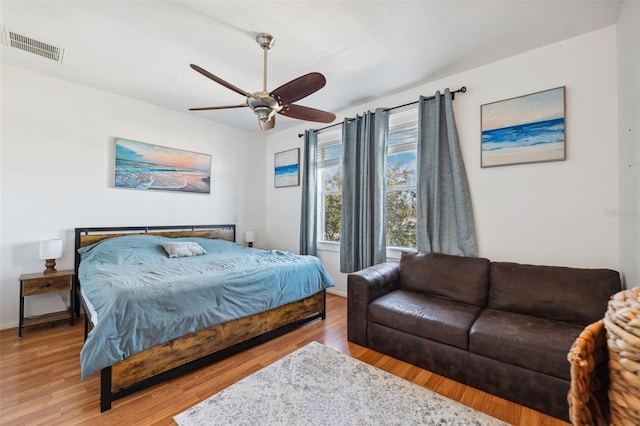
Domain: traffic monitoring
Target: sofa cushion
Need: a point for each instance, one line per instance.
(421, 315)
(553, 292)
(534, 343)
(458, 278)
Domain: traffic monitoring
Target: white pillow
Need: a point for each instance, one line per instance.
(183, 249)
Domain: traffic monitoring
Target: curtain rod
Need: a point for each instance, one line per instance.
(463, 89)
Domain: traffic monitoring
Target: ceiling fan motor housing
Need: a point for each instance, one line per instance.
(264, 105)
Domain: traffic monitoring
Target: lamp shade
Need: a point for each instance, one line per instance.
(51, 249)
(250, 236)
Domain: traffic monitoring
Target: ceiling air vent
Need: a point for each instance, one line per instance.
(32, 45)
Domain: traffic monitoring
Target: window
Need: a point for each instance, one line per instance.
(400, 181)
(330, 184)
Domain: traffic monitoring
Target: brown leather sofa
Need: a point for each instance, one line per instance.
(504, 328)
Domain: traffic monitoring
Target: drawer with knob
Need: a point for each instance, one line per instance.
(46, 284)
(41, 283)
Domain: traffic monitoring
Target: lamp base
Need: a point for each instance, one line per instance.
(51, 266)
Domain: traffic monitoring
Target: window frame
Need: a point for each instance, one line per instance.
(326, 139)
(400, 119)
(397, 118)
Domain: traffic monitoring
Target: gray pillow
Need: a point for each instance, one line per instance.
(183, 249)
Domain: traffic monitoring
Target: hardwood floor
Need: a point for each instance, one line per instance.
(40, 378)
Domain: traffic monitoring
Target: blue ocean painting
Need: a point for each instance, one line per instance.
(539, 132)
(288, 173)
(524, 130)
(287, 167)
(150, 167)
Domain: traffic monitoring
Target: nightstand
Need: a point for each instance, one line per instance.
(41, 283)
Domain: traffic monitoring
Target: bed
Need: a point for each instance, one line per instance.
(154, 315)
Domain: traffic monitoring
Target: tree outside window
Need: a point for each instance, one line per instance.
(331, 203)
(401, 200)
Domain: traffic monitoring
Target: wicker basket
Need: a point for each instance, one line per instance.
(622, 322)
(588, 357)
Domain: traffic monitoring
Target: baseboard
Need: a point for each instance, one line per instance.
(337, 293)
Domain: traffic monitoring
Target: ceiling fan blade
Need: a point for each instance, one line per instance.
(221, 81)
(218, 107)
(267, 125)
(299, 88)
(308, 114)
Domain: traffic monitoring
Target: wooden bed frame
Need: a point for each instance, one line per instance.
(194, 350)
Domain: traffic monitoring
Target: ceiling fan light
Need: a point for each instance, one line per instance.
(264, 113)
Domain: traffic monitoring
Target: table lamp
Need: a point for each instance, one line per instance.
(250, 237)
(50, 250)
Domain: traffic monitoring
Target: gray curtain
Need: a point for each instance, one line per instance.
(309, 211)
(445, 217)
(363, 225)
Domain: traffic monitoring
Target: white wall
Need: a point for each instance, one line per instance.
(56, 157)
(549, 213)
(56, 170)
(628, 36)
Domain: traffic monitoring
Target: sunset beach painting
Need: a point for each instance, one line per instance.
(144, 166)
(527, 129)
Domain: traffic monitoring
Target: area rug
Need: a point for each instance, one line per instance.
(316, 385)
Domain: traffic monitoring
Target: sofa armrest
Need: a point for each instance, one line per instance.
(362, 288)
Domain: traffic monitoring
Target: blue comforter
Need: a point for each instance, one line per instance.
(144, 298)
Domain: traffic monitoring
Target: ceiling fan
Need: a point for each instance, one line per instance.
(266, 104)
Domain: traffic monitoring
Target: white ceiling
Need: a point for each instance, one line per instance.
(366, 49)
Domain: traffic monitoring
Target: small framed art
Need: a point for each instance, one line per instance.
(526, 129)
(287, 168)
